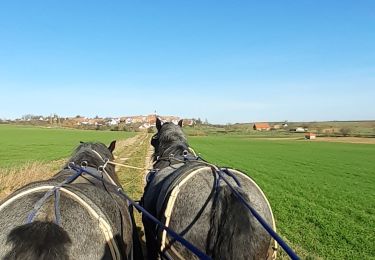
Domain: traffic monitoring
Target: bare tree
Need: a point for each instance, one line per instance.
(345, 131)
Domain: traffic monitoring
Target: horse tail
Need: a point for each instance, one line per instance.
(38, 240)
(231, 235)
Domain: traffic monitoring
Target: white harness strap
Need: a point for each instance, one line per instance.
(171, 201)
(103, 224)
(105, 164)
(95, 152)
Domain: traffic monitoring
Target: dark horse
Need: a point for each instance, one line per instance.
(84, 219)
(184, 193)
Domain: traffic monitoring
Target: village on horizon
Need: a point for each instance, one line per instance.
(148, 122)
(143, 122)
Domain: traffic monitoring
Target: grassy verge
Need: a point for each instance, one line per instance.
(322, 194)
(20, 145)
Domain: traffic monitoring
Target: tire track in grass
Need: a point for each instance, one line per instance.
(133, 153)
(136, 152)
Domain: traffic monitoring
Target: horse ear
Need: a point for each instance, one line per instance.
(180, 122)
(112, 146)
(158, 123)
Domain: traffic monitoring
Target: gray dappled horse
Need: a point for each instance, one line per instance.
(90, 222)
(187, 197)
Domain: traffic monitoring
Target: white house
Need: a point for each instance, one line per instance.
(145, 126)
(300, 130)
(113, 122)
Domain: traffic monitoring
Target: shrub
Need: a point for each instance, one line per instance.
(345, 131)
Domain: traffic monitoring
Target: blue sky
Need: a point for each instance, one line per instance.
(227, 61)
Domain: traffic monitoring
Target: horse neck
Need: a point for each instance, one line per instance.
(176, 149)
(93, 158)
(93, 161)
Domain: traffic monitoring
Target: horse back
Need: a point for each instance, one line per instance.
(96, 222)
(188, 205)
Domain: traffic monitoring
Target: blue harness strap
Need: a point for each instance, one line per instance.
(172, 233)
(56, 191)
(265, 225)
(233, 176)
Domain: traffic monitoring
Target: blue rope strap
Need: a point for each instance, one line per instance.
(233, 177)
(265, 225)
(56, 191)
(172, 233)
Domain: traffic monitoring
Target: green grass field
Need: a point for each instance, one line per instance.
(19, 145)
(322, 194)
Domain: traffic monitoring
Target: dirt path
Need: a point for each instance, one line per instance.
(352, 140)
(136, 152)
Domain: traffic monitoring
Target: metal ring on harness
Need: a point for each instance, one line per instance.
(84, 164)
(71, 165)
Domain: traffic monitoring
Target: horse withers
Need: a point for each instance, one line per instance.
(186, 194)
(59, 219)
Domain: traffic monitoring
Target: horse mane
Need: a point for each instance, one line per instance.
(38, 240)
(171, 139)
